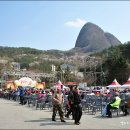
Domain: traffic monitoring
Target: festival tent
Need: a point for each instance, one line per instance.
(114, 84)
(58, 85)
(127, 84)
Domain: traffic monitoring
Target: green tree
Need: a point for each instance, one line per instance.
(115, 66)
(59, 72)
(67, 74)
(24, 66)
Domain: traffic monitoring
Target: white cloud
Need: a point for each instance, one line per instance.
(76, 23)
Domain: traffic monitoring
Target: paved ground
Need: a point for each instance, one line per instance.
(16, 116)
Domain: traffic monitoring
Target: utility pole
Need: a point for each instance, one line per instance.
(92, 73)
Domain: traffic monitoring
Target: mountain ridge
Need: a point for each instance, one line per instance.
(92, 38)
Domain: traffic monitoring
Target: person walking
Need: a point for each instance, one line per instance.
(57, 101)
(22, 92)
(77, 106)
(70, 103)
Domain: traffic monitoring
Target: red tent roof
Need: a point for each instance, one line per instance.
(127, 84)
(114, 84)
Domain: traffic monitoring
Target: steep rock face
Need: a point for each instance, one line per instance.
(112, 39)
(93, 39)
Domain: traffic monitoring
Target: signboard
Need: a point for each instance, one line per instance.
(25, 81)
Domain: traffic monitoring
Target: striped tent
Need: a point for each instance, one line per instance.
(114, 84)
(127, 84)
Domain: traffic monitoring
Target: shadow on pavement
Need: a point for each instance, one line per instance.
(48, 121)
(105, 117)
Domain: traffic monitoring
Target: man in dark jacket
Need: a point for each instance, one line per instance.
(77, 105)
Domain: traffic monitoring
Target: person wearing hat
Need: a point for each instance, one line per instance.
(114, 104)
(57, 101)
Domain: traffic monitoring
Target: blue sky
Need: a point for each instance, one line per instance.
(49, 25)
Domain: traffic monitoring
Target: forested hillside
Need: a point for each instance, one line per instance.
(116, 63)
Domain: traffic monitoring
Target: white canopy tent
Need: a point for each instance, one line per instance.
(58, 85)
(114, 84)
(127, 84)
(55, 87)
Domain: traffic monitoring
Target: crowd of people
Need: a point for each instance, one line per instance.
(74, 98)
(58, 97)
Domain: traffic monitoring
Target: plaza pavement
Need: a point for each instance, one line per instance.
(16, 116)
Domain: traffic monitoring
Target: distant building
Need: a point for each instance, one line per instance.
(33, 63)
(72, 69)
(3, 61)
(16, 66)
(53, 68)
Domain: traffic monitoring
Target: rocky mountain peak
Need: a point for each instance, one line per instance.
(92, 38)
